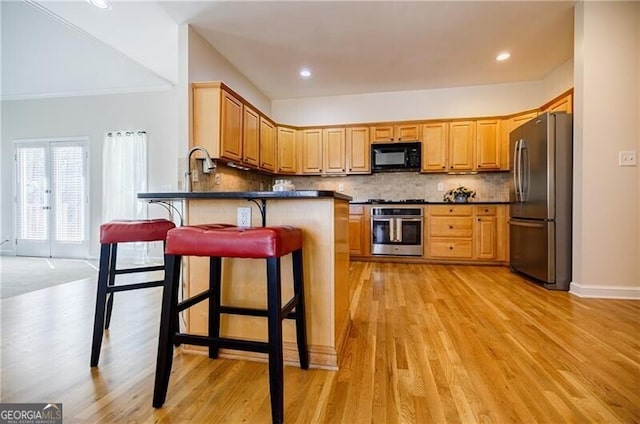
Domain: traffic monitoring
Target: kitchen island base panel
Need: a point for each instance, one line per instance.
(324, 222)
(320, 357)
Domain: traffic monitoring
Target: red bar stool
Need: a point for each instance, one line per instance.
(112, 233)
(270, 243)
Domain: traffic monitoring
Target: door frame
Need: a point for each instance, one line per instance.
(85, 141)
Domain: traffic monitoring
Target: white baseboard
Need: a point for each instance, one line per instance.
(605, 292)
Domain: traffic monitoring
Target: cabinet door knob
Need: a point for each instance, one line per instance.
(451, 227)
(450, 247)
(450, 210)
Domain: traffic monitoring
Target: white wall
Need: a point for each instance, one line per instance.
(486, 100)
(607, 100)
(92, 116)
(207, 64)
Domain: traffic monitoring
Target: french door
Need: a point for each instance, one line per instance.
(51, 198)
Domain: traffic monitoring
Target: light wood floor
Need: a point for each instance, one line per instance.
(428, 344)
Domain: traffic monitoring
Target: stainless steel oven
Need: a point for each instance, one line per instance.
(396, 231)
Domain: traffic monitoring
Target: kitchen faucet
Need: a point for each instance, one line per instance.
(209, 165)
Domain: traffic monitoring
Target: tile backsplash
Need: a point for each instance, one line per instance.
(409, 185)
(229, 179)
(385, 185)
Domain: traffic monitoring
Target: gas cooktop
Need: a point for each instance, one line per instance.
(381, 201)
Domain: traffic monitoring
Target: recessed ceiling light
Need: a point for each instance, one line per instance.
(101, 4)
(305, 73)
(503, 56)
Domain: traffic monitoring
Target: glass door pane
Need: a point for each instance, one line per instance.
(51, 198)
(68, 192)
(32, 194)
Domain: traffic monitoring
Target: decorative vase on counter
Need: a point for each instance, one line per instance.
(460, 194)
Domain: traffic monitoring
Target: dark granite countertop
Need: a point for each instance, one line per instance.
(427, 202)
(296, 194)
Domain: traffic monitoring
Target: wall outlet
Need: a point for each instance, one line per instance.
(244, 217)
(194, 176)
(628, 158)
(217, 180)
(340, 187)
(440, 187)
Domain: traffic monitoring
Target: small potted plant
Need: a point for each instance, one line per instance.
(459, 194)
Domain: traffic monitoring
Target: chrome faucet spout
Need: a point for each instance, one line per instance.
(209, 165)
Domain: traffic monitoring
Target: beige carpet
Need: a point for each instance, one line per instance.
(19, 274)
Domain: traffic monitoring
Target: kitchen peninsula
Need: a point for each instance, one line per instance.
(323, 217)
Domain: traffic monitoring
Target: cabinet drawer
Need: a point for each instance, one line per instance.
(486, 210)
(356, 210)
(452, 210)
(451, 248)
(450, 226)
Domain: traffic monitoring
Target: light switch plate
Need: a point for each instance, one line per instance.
(628, 158)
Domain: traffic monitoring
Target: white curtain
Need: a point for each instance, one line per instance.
(124, 175)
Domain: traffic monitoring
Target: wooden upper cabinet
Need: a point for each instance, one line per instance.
(311, 151)
(231, 127)
(509, 125)
(382, 134)
(488, 145)
(334, 149)
(462, 137)
(251, 137)
(358, 150)
(562, 104)
(267, 145)
(286, 148)
(206, 117)
(400, 133)
(435, 144)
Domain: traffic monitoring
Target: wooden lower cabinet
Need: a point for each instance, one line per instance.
(358, 231)
(486, 232)
(466, 233)
(451, 233)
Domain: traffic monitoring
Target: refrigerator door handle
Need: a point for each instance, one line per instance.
(521, 170)
(525, 224)
(515, 168)
(525, 173)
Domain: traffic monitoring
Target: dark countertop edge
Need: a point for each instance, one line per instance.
(429, 203)
(296, 194)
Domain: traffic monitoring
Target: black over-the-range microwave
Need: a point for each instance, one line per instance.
(395, 157)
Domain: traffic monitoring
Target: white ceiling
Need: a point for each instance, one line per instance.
(351, 47)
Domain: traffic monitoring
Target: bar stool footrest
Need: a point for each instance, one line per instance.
(236, 344)
(140, 269)
(134, 286)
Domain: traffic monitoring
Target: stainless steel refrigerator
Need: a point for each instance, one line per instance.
(541, 198)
